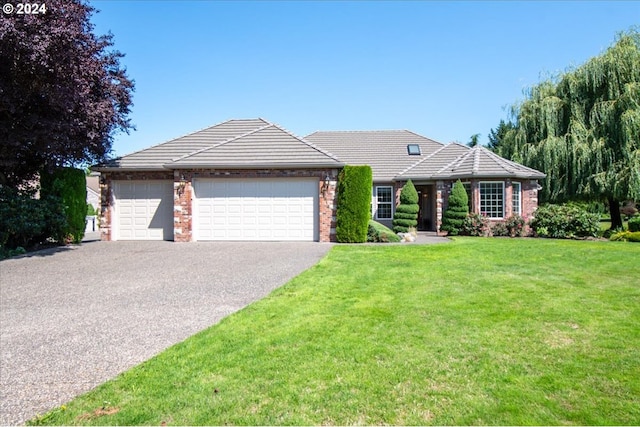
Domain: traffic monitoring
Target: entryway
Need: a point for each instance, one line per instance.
(427, 212)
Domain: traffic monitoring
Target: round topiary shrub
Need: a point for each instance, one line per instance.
(406, 215)
(454, 216)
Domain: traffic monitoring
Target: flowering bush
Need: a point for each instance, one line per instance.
(499, 229)
(515, 226)
(476, 225)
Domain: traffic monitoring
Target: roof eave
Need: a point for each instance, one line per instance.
(333, 165)
(467, 176)
(128, 169)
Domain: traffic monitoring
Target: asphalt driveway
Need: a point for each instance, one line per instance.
(71, 318)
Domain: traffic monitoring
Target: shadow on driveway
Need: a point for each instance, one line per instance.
(73, 317)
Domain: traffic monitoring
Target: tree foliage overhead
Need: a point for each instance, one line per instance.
(497, 136)
(63, 93)
(583, 129)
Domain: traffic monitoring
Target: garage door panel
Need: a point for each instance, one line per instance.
(143, 210)
(256, 209)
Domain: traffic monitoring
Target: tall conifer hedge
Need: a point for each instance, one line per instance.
(70, 185)
(354, 204)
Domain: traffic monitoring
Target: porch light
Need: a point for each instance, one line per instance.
(181, 184)
(325, 184)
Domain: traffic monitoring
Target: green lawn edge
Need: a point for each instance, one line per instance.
(480, 331)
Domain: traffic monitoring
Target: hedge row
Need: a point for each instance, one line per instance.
(354, 204)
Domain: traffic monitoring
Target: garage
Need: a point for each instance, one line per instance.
(143, 210)
(262, 209)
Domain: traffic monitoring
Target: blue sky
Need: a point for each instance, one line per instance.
(446, 70)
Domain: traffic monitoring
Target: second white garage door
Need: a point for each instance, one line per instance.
(256, 209)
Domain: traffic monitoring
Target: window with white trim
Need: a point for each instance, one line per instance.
(516, 199)
(492, 199)
(384, 203)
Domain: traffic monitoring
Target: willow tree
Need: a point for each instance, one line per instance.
(582, 129)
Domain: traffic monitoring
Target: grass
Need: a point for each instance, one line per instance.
(478, 331)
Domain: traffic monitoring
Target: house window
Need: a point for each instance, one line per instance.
(492, 199)
(384, 202)
(516, 199)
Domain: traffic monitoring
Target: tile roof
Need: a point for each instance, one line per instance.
(385, 151)
(257, 143)
(457, 161)
(252, 143)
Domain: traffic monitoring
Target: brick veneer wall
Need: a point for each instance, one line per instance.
(529, 197)
(183, 195)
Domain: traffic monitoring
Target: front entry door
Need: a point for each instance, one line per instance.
(426, 202)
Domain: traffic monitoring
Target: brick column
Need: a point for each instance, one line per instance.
(182, 206)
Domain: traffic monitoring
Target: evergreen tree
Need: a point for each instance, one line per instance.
(457, 211)
(406, 214)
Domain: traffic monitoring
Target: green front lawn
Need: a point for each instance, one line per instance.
(478, 331)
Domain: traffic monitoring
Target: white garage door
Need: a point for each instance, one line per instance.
(256, 209)
(143, 210)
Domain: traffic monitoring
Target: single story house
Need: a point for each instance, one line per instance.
(253, 180)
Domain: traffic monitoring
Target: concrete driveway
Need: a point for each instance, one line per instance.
(71, 318)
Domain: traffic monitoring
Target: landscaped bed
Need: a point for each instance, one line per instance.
(480, 331)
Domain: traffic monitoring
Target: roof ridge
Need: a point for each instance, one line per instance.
(455, 162)
(363, 131)
(425, 137)
(424, 159)
(301, 139)
(268, 125)
(170, 140)
(499, 160)
(476, 161)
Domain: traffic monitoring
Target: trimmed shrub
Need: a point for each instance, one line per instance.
(634, 223)
(626, 236)
(406, 215)
(564, 222)
(457, 211)
(378, 233)
(354, 204)
(476, 225)
(70, 185)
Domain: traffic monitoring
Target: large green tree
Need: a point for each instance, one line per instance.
(498, 135)
(63, 91)
(582, 129)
